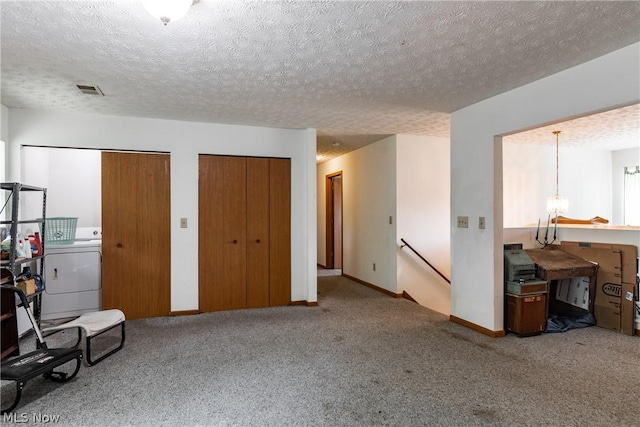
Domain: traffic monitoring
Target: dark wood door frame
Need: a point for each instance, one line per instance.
(330, 220)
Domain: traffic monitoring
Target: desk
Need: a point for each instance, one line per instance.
(555, 264)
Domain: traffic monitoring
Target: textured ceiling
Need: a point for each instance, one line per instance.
(611, 130)
(356, 71)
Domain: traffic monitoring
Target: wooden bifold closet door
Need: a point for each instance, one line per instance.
(136, 234)
(244, 224)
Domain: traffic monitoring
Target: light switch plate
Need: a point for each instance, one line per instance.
(463, 222)
(183, 222)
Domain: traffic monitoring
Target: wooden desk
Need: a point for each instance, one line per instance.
(554, 264)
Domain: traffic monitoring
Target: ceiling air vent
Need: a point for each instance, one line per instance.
(90, 90)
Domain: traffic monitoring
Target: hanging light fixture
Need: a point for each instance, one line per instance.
(557, 204)
(168, 10)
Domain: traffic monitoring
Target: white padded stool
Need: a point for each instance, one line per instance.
(93, 324)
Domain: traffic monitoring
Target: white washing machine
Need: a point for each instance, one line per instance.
(72, 275)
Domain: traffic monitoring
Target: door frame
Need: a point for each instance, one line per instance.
(330, 223)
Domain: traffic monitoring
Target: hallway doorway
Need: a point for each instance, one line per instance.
(334, 220)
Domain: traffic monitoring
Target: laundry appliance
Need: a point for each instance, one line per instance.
(72, 275)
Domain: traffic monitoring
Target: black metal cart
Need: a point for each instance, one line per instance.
(42, 361)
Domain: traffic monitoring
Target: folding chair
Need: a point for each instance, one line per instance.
(93, 324)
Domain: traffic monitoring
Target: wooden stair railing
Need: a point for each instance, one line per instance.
(404, 243)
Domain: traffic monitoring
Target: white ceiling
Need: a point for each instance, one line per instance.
(356, 71)
(610, 130)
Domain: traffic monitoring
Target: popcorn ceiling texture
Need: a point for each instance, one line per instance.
(355, 70)
(611, 130)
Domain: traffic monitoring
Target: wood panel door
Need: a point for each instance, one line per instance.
(280, 232)
(258, 234)
(337, 221)
(333, 187)
(136, 234)
(245, 238)
(222, 225)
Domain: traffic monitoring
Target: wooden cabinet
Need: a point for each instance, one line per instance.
(526, 314)
(244, 224)
(9, 325)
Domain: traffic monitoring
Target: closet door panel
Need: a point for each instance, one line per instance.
(280, 232)
(257, 232)
(222, 238)
(136, 234)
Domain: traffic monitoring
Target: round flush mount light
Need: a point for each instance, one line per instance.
(168, 10)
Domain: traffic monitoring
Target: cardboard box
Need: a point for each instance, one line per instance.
(629, 255)
(574, 291)
(607, 306)
(607, 301)
(627, 303)
(628, 275)
(27, 286)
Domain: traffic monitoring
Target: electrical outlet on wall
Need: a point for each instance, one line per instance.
(463, 222)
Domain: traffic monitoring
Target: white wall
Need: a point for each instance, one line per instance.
(622, 159)
(476, 167)
(73, 181)
(184, 141)
(4, 136)
(529, 177)
(368, 192)
(4, 123)
(423, 175)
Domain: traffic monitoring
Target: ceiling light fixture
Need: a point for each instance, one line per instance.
(168, 10)
(557, 204)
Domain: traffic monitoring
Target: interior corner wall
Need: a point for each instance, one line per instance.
(604, 83)
(368, 200)
(184, 141)
(423, 206)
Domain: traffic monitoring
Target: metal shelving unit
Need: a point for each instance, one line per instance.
(14, 263)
